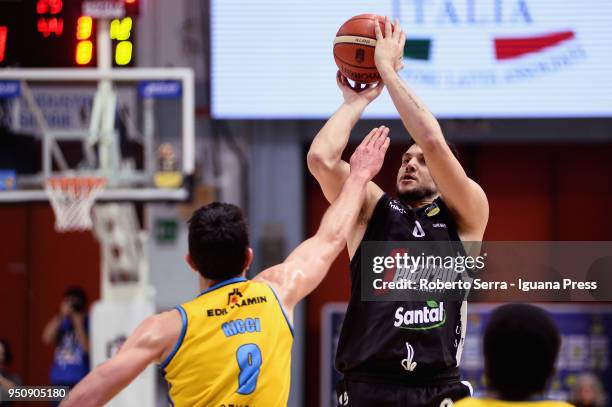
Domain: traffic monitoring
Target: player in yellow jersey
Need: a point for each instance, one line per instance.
(520, 345)
(232, 344)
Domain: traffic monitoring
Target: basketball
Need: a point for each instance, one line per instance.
(354, 48)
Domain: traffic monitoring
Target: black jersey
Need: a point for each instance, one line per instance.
(373, 345)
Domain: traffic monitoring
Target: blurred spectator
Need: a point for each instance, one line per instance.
(67, 331)
(520, 345)
(7, 380)
(588, 391)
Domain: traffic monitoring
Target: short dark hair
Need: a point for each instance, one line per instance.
(79, 298)
(452, 146)
(218, 240)
(8, 354)
(520, 333)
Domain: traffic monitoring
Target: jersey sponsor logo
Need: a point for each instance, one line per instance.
(432, 210)
(241, 326)
(431, 316)
(397, 207)
(235, 299)
(234, 405)
(439, 225)
(216, 312)
(447, 403)
(407, 363)
(418, 230)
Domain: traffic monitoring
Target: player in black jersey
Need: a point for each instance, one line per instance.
(385, 357)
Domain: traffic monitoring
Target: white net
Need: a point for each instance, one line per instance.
(72, 199)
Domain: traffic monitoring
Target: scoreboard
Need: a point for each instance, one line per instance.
(56, 34)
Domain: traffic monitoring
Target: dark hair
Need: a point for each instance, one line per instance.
(8, 354)
(79, 298)
(450, 145)
(218, 240)
(521, 344)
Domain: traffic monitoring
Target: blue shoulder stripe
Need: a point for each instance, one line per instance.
(179, 342)
(280, 304)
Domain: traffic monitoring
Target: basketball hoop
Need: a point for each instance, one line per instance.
(72, 198)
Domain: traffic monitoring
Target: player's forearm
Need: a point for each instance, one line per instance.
(97, 388)
(340, 218)
(417, 119)
(330, 142)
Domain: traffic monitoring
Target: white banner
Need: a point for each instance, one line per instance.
(465, 58)
(65, 107)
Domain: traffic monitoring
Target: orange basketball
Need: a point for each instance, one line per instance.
(354, 48)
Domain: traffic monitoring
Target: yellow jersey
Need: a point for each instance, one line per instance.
(234, 349)
(474, 402)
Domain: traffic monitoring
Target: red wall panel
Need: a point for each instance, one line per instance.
(584, 181)
(519, 183)
(54, 262)
(14, 283)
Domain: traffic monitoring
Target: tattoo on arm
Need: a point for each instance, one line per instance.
(400, 84)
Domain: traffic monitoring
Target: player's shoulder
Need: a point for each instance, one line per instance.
(276, 278)
(164, 330)
(170, 317)
(163, 327)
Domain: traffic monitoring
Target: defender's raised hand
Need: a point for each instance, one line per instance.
(369, 156)
(389, 50)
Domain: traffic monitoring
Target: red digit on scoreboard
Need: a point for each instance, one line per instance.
(43, 26)
(49, 6)
(42, 6)
(55, 6)
(3, 35)
(46, 26)
(56, 25)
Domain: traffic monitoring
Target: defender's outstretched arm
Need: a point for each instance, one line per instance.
(308, 264)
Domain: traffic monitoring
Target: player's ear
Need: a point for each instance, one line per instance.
(189, 261)
(248, 259)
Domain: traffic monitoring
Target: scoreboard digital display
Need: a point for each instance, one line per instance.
(56, 34)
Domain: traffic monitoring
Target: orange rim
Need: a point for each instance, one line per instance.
(76, 182)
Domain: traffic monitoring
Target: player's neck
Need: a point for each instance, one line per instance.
(206, 283)
(419, 203)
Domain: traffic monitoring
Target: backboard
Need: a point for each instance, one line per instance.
(132, 126)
